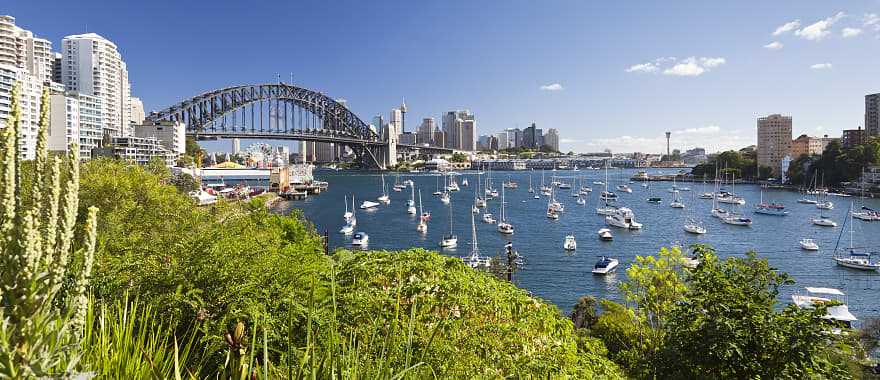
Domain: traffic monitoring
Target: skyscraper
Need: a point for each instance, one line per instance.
(92, 65)
(774, 141)
(461, 130)
(425, 132)
(27, 60)
(872, 114)
(551, 139)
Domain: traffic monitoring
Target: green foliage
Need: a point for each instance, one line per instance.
(129, 340)
(727, 327)
(184, 183)
(836, 164)
(719, 320)
(458, 157)
(44, 281)
(739, 163)
(464, 323)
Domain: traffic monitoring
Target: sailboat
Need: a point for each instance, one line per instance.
(444, 197)
(438, 192)
(545, 190)
(509, 184)
(866, 214)
(531, 189)
(398, 187)
(551, 211)
(411, 203)
(423, 217)
(452, 186)
(691, 225)
(717, 211)
(807, 191)
(855, 260)
(607, 196)
(475, 260)
(651, 198)
(731, 197)
(504, 226)
(348, 214)
(384, 197)
(623, 187)
(350, 222)
(772, 208)
(676, 200)
(449, 240)
(479, 200)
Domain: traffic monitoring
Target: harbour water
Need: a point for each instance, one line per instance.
(562, 277)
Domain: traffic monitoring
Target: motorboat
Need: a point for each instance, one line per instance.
(564, 185)
(605, 234)
(607, 210)
(488, 218)
(570, 244)
(552, 214)
(623, 218)
(684, 189)
(837, 309)
(730, 198)
(655, 200)
(608, 196)
(509, 184)
(360, 239)
(480, 202)
(581, 201)
(826, 205)
(585, 190)
(598, 183)
(624, 188)
(824, 222)
(720, 213)
(605, 265)
(809, 244)
(707, 196)
(694, 228)
(348, 229)
(807, 201)
(368, 205)
(737, 220)
(867, 214)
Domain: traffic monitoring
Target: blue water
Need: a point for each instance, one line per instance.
(560, 277)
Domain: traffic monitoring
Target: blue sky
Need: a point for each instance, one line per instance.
(617, 74)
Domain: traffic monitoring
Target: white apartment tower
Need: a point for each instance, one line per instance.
(93, 66)
(26, 60)
(461, 130)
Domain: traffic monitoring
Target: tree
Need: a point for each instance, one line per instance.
(584, 314)
(727, 326)
(547, 149)
(458, 157)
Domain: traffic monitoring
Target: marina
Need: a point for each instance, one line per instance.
(561, 276)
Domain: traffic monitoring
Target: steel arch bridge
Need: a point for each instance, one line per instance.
(280, 111)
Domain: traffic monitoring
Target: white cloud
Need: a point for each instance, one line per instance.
(820, 29)
(775, 45)
(872, 20)
(701, 130)
(712, 62)
(821, 66)
(787, 27)
(850, 32)
(552, 87)
(691, 66)
(648, 67)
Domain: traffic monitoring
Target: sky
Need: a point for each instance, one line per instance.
(606, 74)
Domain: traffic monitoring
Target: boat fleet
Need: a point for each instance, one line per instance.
(726, 206)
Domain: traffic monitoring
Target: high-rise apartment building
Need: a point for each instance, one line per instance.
(533, 137)
(551, 139)
(93, 66)
(425, 132)
(872, 114)
(461, 130)
(26, 60)
(137, 111)
(774, 141)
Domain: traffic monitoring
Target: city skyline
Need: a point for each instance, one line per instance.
(612, 83)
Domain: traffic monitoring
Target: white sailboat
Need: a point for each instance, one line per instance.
(348, 214)
(449, 240)
(475, 260)
(423, 217)
(351, 221)
(607, 196)
(531, 189)
(384, 197)
(692, 225)
(855, 260)
(551, 211)
(411, 203)
(504, 226)
(479, 201)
